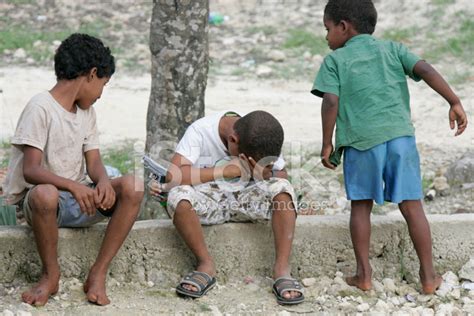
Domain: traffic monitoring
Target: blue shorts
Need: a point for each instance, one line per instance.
(387, 172)
(69, 212)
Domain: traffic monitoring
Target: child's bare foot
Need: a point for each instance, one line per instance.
(95, 287)
(206, 267)
(39, 294)
(430, 286)
(364, 284)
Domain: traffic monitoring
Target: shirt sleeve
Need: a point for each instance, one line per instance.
(279, 164)
(408, 60)
(32, 127)
(190, 145)
(327, 79)
(91, 141)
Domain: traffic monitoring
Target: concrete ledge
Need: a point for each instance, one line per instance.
(153, 251)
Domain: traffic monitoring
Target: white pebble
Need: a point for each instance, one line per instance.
(308, 282)
(363, 307)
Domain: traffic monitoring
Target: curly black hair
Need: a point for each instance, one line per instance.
(260, 135)
(361, 13)
(79, 53)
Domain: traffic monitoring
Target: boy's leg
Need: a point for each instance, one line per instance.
(360, 236)
(129, 194)
(43, 203)
(419, 228)
(187, 222)
(283, 224)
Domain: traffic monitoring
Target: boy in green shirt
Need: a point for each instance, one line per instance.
(365, 95)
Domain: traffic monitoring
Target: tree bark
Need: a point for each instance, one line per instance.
(180, 52)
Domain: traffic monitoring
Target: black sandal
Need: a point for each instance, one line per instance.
(203, 281)
(287, 284)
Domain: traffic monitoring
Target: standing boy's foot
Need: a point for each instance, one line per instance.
(39, 294)
(95, 287)
(430, 286)
(364, 284)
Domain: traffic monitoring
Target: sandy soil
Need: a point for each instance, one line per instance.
(122, 109)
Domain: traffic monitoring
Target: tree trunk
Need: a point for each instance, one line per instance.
(180, 52)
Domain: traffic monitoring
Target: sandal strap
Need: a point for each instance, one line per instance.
(285, 284)
(197, 279)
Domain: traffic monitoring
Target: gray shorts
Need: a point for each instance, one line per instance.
(217, 204)
(69, 212)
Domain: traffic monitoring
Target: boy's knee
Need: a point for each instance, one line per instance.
(44, 197)
(132, 189)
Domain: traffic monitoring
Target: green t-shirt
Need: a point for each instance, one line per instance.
(369, 77)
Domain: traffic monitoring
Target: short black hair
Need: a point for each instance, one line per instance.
(79, 53)
(260, 135)
(361, 13)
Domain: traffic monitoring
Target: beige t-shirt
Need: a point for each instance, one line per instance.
(62, 136)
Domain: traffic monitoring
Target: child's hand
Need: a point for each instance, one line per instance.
(457, 114)
(85, 197)
(237, 167)
(259, 172)
(158, 190)
(105, 195)
(326, 151)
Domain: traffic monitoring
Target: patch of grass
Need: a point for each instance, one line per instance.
(19, 2)
(14, 37)
(442, 2)
(120, 157)
(238, 72)
(459, 45)
(398, 35)
(304, 40)
(265, 29)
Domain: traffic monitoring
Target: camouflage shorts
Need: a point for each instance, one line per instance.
(217, 204)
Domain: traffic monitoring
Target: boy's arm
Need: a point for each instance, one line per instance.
(438, 84)
(34, 173)
(329, 110)
(181, 172)
(105, 194)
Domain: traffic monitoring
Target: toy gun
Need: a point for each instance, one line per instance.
(157, 171)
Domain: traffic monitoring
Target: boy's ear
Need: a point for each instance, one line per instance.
(344, 25)
(92, 74)
(233, 138)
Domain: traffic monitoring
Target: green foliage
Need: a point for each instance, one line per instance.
(13, 37)
(304, 40)
(459, 45)
(265, 29)
(442, 2)
(121, 157)
(398, 35)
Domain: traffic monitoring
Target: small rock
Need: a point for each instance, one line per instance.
(7, 312)
(284, 313)
(445, 309)
(455, 293)
(150, 284)
(471, 294)
(440, 184)
(467, 271)
(378, 287)
(307, 55)
(308, 282)
(363, 307)
(339, 274)
(263, 71)
(430, 195)
(389, 285)
(427, 312)
(37, 43)
(56, 43)
(19, 54)
(215, 310)
(277, 55)
(23, 313)
(381, 306)
(450, 280)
